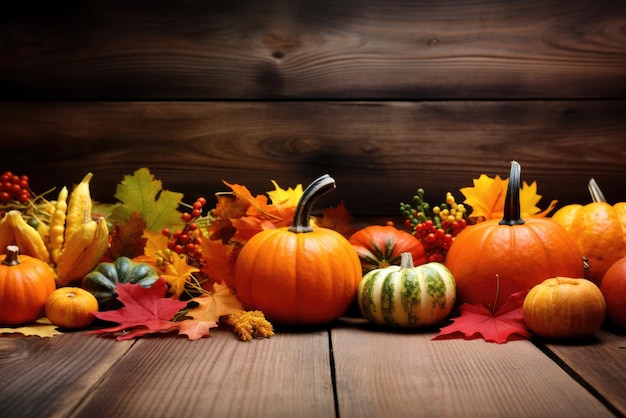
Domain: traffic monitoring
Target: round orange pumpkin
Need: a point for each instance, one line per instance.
(613, 287)
(25, 284)
(382, 246)
(492, 260)
(299, 275)
(564, 307)
(71, 307)
(599, 230)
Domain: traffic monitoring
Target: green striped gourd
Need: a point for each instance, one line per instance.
(407, 296)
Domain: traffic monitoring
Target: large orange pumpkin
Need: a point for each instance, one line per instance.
(299, 275)
(494, 259)
(599, 230)
(25, 284)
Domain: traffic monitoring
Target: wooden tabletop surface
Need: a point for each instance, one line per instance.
(349, 369)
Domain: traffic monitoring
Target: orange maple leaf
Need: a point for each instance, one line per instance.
(255, 203)
(229, 205)
(222, 301)
(337, 218)
(155, 242)
(219, 260)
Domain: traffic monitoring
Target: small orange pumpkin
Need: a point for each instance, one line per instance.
(25, 284)
(492, 260)
(71, 307)
(564, 307)
(599, 230)
(299, 275)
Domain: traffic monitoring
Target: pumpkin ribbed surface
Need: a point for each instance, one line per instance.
(25, 284)
(407, 297)
(299, 275)
(298, 278)
(488, 259)
(381, 246)
(599, 230)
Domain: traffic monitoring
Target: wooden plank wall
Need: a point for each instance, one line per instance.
(384, 95)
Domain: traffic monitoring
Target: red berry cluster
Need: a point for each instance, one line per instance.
(186, 240)
(13, 187)
(437, 240)
(435, 227)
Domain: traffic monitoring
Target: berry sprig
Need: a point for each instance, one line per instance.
(435, 227)
(14, 187)
(185, 241)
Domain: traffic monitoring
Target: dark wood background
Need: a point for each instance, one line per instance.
(384, 95)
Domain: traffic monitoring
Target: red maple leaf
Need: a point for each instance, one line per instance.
(148, 311)
(476, 320)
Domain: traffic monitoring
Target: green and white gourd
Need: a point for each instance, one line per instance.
(407, 296)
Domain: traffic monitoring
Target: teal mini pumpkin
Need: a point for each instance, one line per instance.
(103, 280)
(406, 296)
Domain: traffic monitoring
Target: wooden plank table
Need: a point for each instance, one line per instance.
(349, 369)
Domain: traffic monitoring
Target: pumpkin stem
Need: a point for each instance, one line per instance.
(596, 193)
(512, 210)
(11, 258)
(311, 194)
(406, 260)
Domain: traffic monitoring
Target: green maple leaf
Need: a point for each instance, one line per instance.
(140, 192)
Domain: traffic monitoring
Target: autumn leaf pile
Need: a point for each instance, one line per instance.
(194, 293)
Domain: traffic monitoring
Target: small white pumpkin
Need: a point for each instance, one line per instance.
(407, 296)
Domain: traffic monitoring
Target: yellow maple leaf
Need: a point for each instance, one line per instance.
(486, 197)
(176, 273)
(529, 198)
(222, 301)
(488, 194)
(40, 328)
(289, 197)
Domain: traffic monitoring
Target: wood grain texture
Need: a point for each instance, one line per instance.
(379, 152)
(399, 374)
(285, 376)
(356, 49)
(48, 377)
(607, 378)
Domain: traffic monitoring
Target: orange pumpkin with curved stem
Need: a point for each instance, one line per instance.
(494, 259)
(599, 230)
(25, 284)
(299, 275)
